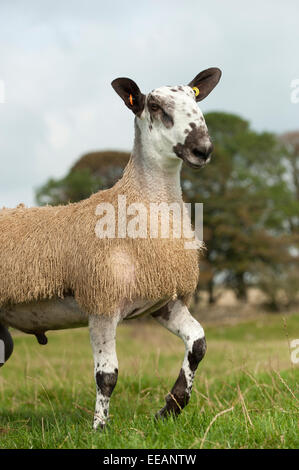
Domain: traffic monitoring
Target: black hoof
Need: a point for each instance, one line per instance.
(6, 345)
(170, 409)
(162, 414)
(102, 427)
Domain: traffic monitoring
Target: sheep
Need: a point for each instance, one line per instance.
(57, 272)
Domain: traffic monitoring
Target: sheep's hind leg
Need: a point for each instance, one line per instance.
(6, 345)
(102, 335)
(176, 318)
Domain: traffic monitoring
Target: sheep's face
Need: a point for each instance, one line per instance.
(175, 125)
(172, 127)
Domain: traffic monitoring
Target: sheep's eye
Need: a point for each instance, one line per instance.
(154, 107)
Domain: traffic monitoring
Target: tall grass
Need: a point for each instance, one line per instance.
(245, 394)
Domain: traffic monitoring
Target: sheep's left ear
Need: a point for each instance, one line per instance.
(130, 93)
(205, 82)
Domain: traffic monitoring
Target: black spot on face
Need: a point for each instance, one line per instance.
(167, 120)
(194, 142)
(161, 108)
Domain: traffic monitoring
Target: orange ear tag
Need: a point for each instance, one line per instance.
(131, 99)
(196, 90)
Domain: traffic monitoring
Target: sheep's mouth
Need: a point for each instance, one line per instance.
(197, 159)
(196, 165)
(193, 158)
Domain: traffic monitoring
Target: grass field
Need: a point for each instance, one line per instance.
(245, 394)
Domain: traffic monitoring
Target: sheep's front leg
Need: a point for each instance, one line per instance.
(176, 318)
(102, 335)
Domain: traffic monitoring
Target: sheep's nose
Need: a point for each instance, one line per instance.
(203, 152)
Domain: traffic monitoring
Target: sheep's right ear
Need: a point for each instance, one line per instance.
(130, 93)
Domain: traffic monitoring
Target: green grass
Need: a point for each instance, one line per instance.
(47, 393)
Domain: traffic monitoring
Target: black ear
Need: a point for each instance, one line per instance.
(205, 82)
(130, 93)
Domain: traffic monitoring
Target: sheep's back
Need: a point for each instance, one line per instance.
(31, 254)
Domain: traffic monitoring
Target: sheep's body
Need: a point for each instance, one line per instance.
(50, 252)
(40, 316)
(57, 271)
(37, 317)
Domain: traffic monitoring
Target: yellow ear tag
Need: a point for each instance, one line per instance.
(131, 99)
(196, 90)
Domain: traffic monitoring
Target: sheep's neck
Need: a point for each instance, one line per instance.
(155, 178)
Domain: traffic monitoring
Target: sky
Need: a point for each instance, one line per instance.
(58, 58)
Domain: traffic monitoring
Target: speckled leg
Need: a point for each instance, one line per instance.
(102, 335)
(176, 318)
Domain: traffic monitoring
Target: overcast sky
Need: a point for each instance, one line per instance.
(57, 59)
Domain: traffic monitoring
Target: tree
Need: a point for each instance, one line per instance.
(290, 141)
(108, 166)
(92, 172)
(75, 186)
(242, 189)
